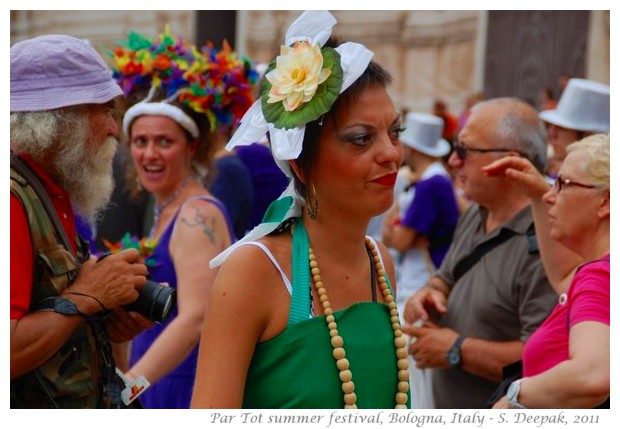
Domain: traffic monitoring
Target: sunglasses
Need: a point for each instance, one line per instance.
(561, 182)
(461, 151)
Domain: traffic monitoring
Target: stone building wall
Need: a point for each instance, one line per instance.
(102, 28)
(430, 54)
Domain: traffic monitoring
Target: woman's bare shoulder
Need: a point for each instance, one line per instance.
(250, 262)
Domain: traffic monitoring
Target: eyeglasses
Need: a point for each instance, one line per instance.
(561, 182)
(461, 151)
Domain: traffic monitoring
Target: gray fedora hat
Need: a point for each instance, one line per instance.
(54, 71)
(583, 106)
(423, 133)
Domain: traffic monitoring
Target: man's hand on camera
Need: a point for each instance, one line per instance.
(124, 325)
(109, 283)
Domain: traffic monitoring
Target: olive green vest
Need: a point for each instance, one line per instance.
(70, 378)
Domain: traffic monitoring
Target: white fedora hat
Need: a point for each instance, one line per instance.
(583, 106)
(423, 133)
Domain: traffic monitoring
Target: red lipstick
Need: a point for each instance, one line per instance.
(387, 180)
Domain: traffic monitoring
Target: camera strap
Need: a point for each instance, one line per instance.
(109, 381)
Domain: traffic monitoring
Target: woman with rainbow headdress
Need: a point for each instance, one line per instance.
(170, 135)
(302, 313)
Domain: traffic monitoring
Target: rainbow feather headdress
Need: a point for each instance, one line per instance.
(215, 83)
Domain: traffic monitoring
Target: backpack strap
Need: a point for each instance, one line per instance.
(467, 262)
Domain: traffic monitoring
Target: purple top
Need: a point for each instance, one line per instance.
(434, 213)
(175, 389)
(268, 180)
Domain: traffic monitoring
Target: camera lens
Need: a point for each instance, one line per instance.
(163, 303)
(155, 302)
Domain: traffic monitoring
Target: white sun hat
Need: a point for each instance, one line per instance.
(583, 106)
(423, 133)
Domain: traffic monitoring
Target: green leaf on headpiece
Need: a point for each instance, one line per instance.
(321, 102)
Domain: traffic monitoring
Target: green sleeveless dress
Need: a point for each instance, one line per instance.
(296, 369)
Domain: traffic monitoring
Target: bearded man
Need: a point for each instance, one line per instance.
(65, 307)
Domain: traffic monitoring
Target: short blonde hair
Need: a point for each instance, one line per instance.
(596, 151)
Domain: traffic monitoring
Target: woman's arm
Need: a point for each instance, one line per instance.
(391, 217)
(580, 382)
(199, 234)
(559, 262)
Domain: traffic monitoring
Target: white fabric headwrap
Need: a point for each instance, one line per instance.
(314, 26)
(160, 109)
(265, 228)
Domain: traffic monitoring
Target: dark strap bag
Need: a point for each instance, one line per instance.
(468, 262)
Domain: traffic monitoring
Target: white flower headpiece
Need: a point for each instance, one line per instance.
(299, 88)
(302, 84)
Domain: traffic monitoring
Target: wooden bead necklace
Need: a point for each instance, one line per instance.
(342, 363)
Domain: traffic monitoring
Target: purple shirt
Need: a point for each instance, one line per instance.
(268, 180)
(434, 213)
(174, 390)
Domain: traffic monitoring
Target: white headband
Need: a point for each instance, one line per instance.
(160, 109)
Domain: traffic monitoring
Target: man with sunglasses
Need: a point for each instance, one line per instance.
(491, 292)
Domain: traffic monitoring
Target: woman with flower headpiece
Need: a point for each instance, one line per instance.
(170, 136)
(302, 313)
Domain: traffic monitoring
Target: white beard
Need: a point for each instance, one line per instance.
(85, 172)
(79, 163)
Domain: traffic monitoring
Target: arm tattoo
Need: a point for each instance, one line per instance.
(200, 221)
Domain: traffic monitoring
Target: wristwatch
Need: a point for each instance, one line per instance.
(60, 305)
(513, 394)
(454, 354)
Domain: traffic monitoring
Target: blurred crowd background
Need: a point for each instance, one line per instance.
(451, 56)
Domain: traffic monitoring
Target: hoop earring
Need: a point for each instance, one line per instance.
(313, 211)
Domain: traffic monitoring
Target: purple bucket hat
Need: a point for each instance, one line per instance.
(54, 71)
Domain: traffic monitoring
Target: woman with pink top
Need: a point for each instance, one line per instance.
(566, 361)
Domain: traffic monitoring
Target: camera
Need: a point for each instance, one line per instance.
(155, 301)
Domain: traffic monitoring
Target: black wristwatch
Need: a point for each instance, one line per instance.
(58, 304)
(454, 354)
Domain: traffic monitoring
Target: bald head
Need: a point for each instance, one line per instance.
(513, 124)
